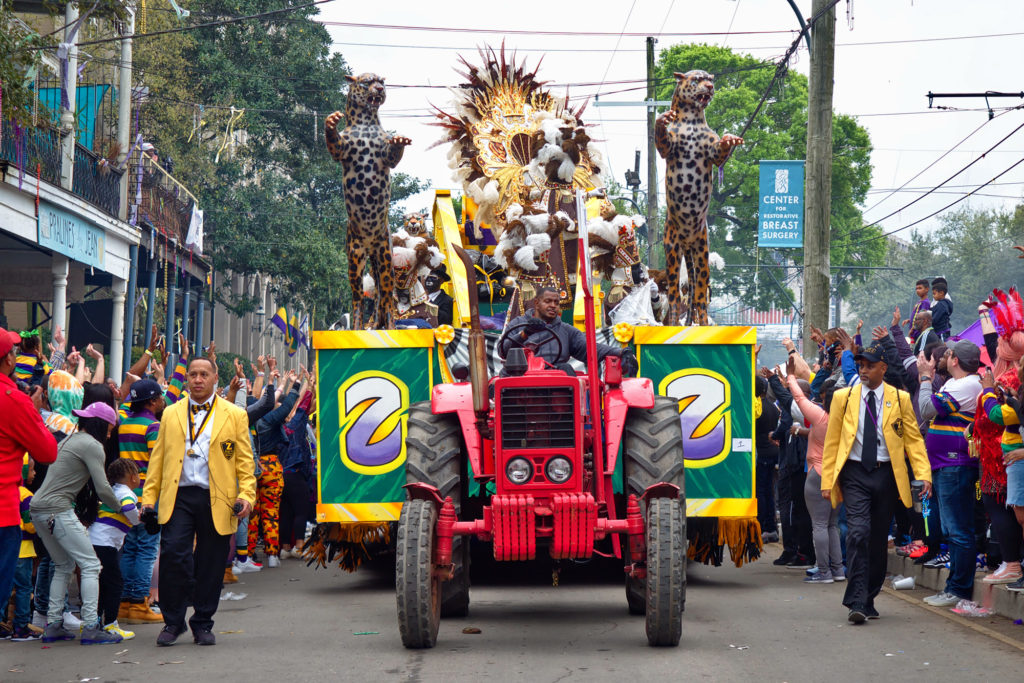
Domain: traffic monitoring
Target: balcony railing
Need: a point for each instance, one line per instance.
(96, 181)
(30, 148)
(165, 203)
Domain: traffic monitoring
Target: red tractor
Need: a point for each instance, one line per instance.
(546, 444)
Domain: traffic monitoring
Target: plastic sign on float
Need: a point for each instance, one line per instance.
(780, 217)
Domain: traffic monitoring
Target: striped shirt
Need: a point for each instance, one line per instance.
(136, 438)
(111, 525)
(26, 365)
(955, 406)
(1004, 415)
(28, 529)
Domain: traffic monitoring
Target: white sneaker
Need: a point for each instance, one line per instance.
(71, 622)
(244, 567)
(39, 619)
(942, 599)
(273, 561)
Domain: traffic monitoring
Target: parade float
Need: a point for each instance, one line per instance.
(531, 199)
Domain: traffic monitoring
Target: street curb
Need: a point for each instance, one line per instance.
(996, 597)
(967, 622)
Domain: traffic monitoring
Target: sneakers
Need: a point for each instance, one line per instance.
(24, 634)
(969, 608)
(982, 562)
(39, 620)
(918, 551)
(913, 546)
(240, 567)
(840, 576)
(942, 599)
(1017, 586)
(229, 575)
(114, 628)
(938, 562)
(1006, 573)
(857, 616)
(168, 636)
(273, 561)
(297, 553)
(770, 537)
(800, 562)
(139, 613)
(820, 577)
(812, 571)
(785, 558)
(56, 631)
(71, 622)
(97, 635)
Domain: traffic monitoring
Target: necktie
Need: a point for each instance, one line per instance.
(196, 409)
(869, 452)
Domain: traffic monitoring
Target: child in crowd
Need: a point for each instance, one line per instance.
(26, 556)
(941, 308)
(31, 366)
(107, 535)
(921, 288)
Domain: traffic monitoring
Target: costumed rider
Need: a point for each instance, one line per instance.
(546, 324)
(437, 297)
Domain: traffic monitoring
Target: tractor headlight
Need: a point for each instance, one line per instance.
(559, 470)
(519, 470)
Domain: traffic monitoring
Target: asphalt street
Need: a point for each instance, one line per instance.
(296, 623)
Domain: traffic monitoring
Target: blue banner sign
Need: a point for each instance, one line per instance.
(780, 216)
(71, 235)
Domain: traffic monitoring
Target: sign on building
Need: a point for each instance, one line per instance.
(71, 236)
(780, 216)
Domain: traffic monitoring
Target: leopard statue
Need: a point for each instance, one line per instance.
(367, 154)
(691, 150)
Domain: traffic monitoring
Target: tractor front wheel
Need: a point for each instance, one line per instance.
(417, 587)
(666, 567)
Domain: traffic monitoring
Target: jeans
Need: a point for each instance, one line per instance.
(954, 488)
(23, 593)
(10, 543)
(69, 545)
(137, 559)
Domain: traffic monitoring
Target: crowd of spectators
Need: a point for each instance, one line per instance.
(77, 559)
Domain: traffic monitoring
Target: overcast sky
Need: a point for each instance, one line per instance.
(873, 82)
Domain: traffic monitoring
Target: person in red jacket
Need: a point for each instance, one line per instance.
(21, 430)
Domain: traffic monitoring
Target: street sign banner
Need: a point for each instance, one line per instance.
(780, 216)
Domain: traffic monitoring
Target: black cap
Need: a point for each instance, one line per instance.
(872, 354)
(144, 390)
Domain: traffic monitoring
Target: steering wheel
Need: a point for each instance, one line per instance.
(514, 338)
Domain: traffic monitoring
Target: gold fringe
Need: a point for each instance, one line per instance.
(345, 541)
(708, 537)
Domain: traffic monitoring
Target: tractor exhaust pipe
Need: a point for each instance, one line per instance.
(478, 378)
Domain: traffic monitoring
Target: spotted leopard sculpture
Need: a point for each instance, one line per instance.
(691, 150)
(367, 155)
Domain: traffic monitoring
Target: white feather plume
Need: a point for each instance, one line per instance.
(369, 286)
(525, 258)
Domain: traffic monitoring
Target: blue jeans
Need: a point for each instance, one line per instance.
(41, 599)
(954, 488)
(137, 559)
(23, 593)
(10, 544)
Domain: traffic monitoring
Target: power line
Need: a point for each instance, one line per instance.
(524, 32)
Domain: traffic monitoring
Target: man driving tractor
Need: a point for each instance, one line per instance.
(556, 341)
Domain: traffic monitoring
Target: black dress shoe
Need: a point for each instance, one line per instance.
(857, 615)
(204, 638)
(169, 636)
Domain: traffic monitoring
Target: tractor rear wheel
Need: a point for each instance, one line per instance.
(433, 448)
(666, 567)
(653, 453)
(417, 587)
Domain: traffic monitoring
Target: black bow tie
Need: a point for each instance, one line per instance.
(197, 408)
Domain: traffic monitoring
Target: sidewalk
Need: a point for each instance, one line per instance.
(1003, 602)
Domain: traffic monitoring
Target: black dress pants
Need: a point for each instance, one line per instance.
(186, 575)
(869, 497)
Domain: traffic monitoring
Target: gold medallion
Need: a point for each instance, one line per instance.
(191, 453)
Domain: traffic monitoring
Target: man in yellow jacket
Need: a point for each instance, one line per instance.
(200, 477)
(872, 432)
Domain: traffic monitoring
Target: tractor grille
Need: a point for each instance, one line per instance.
(538, 418)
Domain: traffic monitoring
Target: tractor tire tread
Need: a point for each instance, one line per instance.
(417, 621)
(666, 571)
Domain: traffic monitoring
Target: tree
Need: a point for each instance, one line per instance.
(971, 249)
(778, 132)
(274, 202)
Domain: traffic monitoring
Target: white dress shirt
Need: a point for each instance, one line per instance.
(195, 470)
(858, 442)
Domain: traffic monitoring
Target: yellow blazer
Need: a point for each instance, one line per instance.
(844, 418)
(231, 463)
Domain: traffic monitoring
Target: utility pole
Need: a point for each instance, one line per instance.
(817, 283)
(652, 154)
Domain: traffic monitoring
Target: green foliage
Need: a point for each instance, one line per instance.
(274, 202)
(17, 58)
(971, 250)
(778, 132)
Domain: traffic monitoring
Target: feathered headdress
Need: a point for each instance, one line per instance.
(1008, 310)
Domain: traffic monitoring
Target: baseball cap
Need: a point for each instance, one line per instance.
(8, 340)
(100, 410)
(144, 390)
(872, 354)
(967, 353)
